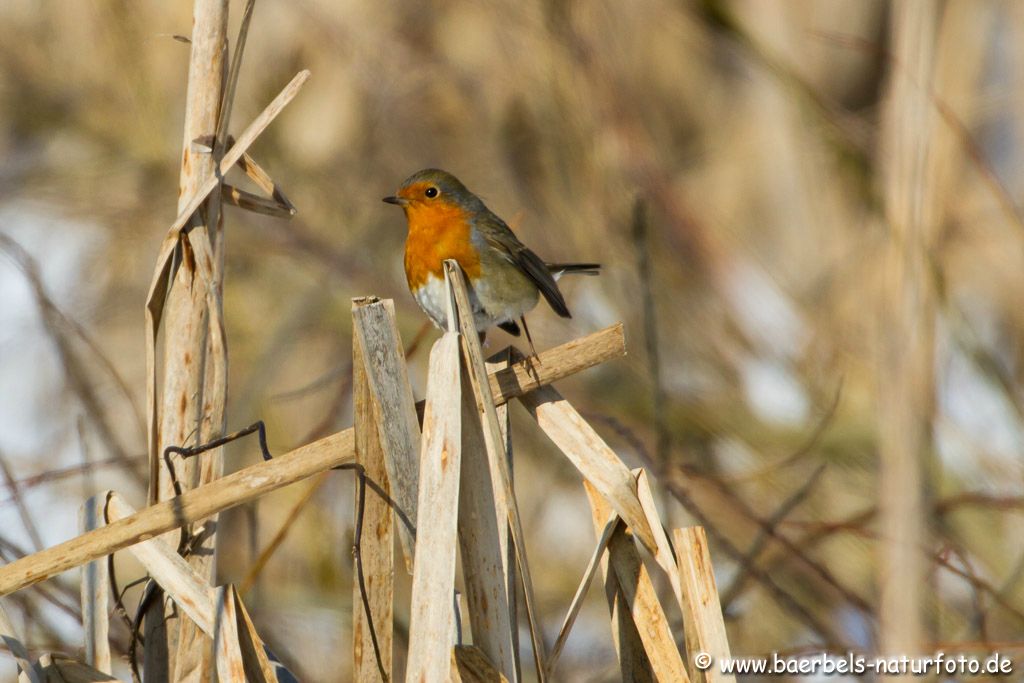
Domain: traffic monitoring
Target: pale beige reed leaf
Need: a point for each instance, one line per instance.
(470, 665)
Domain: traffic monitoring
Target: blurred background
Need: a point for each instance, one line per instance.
(809, 215)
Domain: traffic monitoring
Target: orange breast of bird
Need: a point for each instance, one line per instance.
(437, 232)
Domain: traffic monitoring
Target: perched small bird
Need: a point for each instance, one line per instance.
(447, 221)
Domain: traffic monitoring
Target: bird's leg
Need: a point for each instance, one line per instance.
(533, 350)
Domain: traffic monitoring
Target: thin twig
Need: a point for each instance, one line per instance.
(23, 512)
(759, 544)
(135, 461)
(261, 561)
(782, 596)
(801, 452)
(650, 323)
(741, 506)
(977, 595)
(55, 321)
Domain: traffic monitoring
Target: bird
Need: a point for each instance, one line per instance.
(505, 278)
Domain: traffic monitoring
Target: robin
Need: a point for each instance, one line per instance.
(447, 221)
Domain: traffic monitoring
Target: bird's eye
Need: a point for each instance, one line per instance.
(431, 192)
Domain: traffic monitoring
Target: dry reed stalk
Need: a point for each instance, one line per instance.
(264, 477)
(169, 515)
(637, 591)
(167, 265)
(393, 407)
(229, 662)
(652, 625)
(664, 556)
(95, 590)
(495, 364)
(217, 613)
(190, 263)
(157, 286)
(483, 535)
(581, 591)
(377, 540)
(589, 453)
(194, 383)
(494, 443)
(175, 576)
(258, 668)
(907, 322)
(431, 620)
(558, 363)
(240, 652)
(634, 665)
(702, 613)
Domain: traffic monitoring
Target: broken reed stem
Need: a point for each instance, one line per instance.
(155, 300)
(375, 558)
(494, 442)
(194, 382)
(431, 620)
(227, 492)
(301, 463)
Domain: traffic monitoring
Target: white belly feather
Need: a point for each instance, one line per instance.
(432, 297)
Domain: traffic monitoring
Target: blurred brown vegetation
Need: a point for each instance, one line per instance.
(762, 142)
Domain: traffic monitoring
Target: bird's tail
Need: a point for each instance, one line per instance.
(557, 270)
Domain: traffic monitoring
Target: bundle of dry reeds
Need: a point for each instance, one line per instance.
(809, 216)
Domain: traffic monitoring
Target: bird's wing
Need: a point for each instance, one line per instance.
(518, 254)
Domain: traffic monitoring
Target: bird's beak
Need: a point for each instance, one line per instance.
(396, 200)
